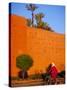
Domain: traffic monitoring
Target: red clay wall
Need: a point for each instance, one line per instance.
(43, 46)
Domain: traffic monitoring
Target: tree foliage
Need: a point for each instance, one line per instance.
(32, 8)
(29, 22)
(38, 18)
(48, 28)
(24, 62)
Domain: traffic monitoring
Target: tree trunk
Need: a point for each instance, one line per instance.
(32, 19)
(23, 74)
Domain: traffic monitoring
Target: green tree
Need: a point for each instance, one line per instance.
(46, 24)
(48, 28)
(39, 21)
(40, 25)
(24, 62)
(29, 22)
(32, 8)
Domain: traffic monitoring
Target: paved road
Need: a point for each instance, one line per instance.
(37, 82)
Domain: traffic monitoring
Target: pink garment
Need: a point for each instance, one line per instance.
(53, 72)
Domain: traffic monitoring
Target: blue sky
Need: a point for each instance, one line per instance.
(54, 15)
